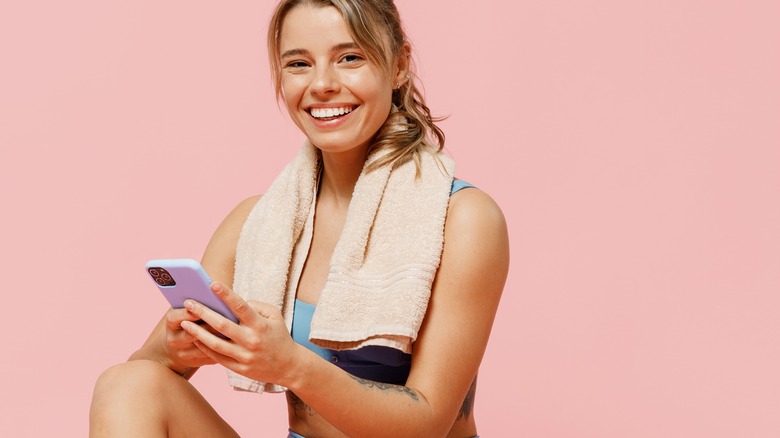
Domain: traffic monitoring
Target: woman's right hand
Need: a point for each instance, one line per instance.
(170, 345)
(179, 346)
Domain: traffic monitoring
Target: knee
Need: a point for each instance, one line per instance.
(136, 375)
(127, 382)
(127, 392)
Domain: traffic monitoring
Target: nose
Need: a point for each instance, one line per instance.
(325, 81)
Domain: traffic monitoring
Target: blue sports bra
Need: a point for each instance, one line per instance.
(377, 363)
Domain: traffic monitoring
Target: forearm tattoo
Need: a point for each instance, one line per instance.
(299, 405)
(387, 387)
(468, 402)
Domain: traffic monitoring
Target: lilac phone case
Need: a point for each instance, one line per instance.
(192, 282)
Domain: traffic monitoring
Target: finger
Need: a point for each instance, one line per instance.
(214, 322)
(209, 340)
(192, 356)
(243, 311)
(195, 357)
(181, 340)
(215, 357)
(174, 317)
(226, 361)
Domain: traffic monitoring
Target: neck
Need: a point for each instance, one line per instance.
(340, 172)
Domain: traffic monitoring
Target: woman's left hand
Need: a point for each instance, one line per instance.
(260, 347)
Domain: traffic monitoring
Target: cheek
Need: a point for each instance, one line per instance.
(377, 97)
(368, 84)
(292, 91)
(292, 99)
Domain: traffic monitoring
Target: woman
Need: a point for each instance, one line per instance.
(375, 215)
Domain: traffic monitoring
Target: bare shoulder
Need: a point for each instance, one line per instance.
(220, 255)
(473, 204)
(242, 210)
(474, 220)
(230, 228)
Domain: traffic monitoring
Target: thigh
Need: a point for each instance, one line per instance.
(192, 416)
(145, 398)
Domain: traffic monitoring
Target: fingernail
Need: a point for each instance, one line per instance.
(189, 305)
(217, 288)
(186, 325)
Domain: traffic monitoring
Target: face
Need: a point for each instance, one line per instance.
(333, 93)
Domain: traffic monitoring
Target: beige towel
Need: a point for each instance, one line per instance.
(382, 267)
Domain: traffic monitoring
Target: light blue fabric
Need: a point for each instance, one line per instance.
(458, 185)
(301, 327)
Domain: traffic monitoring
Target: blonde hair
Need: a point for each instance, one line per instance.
(368, 21)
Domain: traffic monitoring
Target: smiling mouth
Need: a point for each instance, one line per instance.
(325, 114)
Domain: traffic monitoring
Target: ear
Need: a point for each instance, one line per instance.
(403, 64)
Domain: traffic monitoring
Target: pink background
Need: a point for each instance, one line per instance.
(634, 147)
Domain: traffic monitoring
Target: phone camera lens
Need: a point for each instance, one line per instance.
(162, 277)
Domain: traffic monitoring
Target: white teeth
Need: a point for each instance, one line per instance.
(324, 113)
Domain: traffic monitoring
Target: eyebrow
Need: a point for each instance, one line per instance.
(336, 48)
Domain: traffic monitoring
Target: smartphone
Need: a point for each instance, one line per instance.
(182, 279)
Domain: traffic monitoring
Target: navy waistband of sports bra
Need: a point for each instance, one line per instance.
(381, 364)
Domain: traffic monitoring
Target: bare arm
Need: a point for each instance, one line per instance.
(168, 343)
(446, 355)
